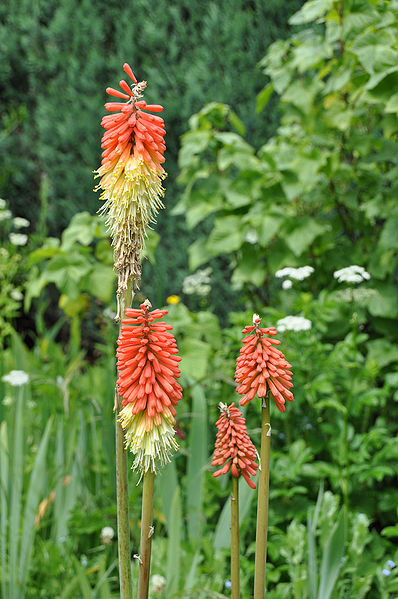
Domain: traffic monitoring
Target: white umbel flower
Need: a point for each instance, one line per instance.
(16, 378)
(295, 273)
(351, 274)
(293, 323)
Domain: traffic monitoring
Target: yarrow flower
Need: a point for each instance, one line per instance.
(148, 369)
(234, 449)
(16, 378)
(131, 174)
(351, 274)
(261, 367)
(293, 323)
(299, 274)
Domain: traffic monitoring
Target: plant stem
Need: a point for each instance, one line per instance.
(235, 592)
(146, 535)
(262, 503)
(122, 498)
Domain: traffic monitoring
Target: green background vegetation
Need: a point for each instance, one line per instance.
(282, 151)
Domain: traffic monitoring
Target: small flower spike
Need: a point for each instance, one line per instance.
(234, 449)
(131, 174)
(148, 369)
(261, 367)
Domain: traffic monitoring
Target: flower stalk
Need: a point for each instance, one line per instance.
(262, 503)
(235, 566)
(122, 497)
(146, 535)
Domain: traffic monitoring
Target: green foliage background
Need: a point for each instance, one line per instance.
(300, 172)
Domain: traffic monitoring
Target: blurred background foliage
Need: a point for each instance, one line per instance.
(282, 136)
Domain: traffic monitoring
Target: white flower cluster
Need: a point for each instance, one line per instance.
(293, 323)
(198, 283)
(18, 238)
(16, 378)
(351, 274)
(251, 236)
(300, 273)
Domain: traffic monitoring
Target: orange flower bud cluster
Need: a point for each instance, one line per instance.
(234, 449)
(261, 367)
(148, 369)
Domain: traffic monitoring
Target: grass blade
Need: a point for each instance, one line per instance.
(190, 579)
(197, 462)
(312, 523)
(16, 495)
(4, 471)
(166, 485)
(331, 559)
(174, 545)
(36, 484)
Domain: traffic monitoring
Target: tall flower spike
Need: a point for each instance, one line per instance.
(131, 175)
(261, 367)
(234, 449)
(148, 369)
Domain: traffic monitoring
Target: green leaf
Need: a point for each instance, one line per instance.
(174, 545)
(331, 559)
(195, 355)
(227, 235)
(250, 268)
(35, 490)
(151, 243)
(101, 282)
(384, 301)
(302, 236)
(382, 352)
(198, 253)
(263, 97)
(310, 11)
(82, 228)
(166, 484)
(197, 463)
(4, 478)
(392, 104)
(389, 237)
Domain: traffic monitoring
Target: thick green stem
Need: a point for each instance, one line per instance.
(122, 497)
(146, 535)
(262, 503)
(235, 592)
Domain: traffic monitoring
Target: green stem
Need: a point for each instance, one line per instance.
(146, 535)
(122, 498)
(262, 503)
(123, 525)
(235, 593)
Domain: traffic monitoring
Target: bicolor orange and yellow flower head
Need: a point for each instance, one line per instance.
(148, 369)
(262, 368)
(234, 449)
(131, 174)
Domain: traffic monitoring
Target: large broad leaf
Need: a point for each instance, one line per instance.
(101, 281)
(227, 235)
(303, 234)
(311, 10)
(83, 228)
(195, 355)
(198, 253)
(384, 301)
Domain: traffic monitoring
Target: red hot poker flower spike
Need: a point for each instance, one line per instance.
(148, 365)
(234, 449)
(261, 367)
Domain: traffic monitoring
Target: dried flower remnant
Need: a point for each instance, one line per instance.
(131, 174)
(234, 449)
(148, 369)
(261, 367)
